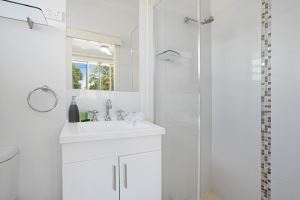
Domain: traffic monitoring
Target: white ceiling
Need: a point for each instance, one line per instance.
(91, 48)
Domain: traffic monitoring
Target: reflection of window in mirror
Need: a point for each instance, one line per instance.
(93, 65)
(92, 75)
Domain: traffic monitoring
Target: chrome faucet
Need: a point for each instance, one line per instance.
(108, 107)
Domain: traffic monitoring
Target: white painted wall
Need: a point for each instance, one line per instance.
(285, 100)
(236, 64)
(29, 59)
(114, 18)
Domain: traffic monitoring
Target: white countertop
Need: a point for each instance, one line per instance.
(107, 130)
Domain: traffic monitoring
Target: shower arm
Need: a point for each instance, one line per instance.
(205, 21)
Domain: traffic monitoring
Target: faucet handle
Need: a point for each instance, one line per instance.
(94, 115)
(120, 114)
(94, 111)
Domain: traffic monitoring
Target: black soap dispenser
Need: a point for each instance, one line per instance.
(73, 111)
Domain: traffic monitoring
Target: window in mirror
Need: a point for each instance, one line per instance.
(93, 65)
(79, 74)
(92, 76)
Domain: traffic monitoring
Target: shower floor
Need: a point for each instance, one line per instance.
(210, 196)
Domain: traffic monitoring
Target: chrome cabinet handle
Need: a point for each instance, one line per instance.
(114, 177)
(125, 176)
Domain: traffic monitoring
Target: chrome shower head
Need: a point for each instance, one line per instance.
(208, 20)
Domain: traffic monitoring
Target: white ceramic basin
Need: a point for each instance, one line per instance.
(103, 130)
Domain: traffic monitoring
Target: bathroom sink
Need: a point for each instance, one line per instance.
(107, 130)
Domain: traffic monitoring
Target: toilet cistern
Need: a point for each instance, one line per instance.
(8, 172)
(108, 107)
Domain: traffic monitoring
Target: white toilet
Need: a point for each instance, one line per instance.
(8, 173)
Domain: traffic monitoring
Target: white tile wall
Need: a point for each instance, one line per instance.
(236, 49)
(285, 101)
(96, 100)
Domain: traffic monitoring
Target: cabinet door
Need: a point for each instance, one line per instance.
(140, 176)
(91, 180)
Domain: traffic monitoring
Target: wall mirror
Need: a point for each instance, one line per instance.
(103, 45)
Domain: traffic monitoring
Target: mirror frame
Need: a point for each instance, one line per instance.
(147, 57)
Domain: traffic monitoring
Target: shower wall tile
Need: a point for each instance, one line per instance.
(266, 120)
(236, 65)
(285, 100)
(206, 101)
(235, 100)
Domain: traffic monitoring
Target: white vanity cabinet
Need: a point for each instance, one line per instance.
(140, 176)
(107, 166)
(93, 180)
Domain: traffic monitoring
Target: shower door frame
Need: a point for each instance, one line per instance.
(149, 106)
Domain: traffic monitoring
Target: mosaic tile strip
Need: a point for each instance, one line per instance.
(266, 101)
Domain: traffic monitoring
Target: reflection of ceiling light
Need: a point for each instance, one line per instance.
(93, 43)
(105, 49)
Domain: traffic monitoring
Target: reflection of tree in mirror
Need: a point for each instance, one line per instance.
(105, 78)
(77, 76)
(100, 78)
(112, 78)
(94, 78)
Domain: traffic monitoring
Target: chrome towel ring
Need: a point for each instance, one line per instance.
(44, 88)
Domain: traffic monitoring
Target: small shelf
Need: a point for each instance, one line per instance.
(169, 55)
(22, 12)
